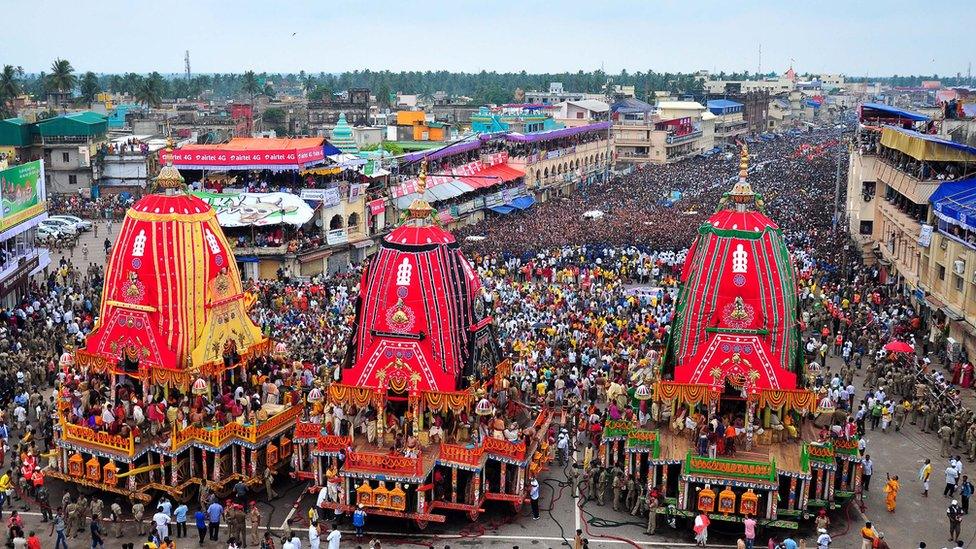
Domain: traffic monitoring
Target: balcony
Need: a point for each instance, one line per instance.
(913, 188)
(260, 251)
(677, 139)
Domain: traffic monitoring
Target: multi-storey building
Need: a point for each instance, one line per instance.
(862, 186)
(672, 131)
(68, 143)
(729, 121)
(948, 266)
(925, 252)
(21, 256)
(323, 115)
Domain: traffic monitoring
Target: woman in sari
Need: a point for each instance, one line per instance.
(891, 493)
(701, 529)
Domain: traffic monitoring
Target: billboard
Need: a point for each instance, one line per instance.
(23, 193)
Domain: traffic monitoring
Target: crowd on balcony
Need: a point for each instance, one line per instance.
(922, 170)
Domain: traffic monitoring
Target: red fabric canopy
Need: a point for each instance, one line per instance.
(899, 347)
(493, 175)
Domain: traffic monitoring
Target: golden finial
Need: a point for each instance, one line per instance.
(744, 162)
(169, 177)
(420, 208)
(742, 190)
(422, 177)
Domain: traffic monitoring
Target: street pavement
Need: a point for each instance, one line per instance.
(897, 453)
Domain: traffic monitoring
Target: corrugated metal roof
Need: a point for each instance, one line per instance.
(15, 132)
(85, 123)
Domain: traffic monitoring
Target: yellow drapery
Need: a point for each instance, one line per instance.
(691, 393)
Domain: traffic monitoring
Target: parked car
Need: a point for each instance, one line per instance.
(66, 228)
(81, 225)
(46, 234)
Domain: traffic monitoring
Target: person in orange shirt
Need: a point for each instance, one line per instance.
(868, 535)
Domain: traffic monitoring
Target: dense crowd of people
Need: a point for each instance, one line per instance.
(561, 288)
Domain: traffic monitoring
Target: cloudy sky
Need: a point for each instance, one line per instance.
(855, 38)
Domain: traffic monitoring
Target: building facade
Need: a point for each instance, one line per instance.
(323, 115)
(68, 143)
(730, 123)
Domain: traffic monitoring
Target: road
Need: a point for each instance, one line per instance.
(916, 519)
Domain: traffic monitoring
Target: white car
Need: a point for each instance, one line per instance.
(80, 224)
(47, 234)
(63, 226)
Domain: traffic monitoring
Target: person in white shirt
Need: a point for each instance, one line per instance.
(334, 536)
(823, 540)
(313, 536)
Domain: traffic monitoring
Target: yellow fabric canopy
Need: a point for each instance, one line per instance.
(922, 149)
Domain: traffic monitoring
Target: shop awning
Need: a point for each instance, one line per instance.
(522, 202)
(444, 190)
(252, 154)
(493, 175)
(503, 209)
(955, 202)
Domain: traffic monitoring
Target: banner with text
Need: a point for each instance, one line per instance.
(23, 193)
(217, 157)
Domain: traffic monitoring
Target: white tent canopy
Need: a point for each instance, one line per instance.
(258, 209)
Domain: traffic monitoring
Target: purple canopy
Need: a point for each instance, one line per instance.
(556, 134)
(450, 150)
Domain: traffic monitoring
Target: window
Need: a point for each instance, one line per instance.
(941, 272)
(957, 282)
(72, 179)
(867, 227)
(64, 157)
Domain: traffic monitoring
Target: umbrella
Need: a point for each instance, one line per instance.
(899, 347)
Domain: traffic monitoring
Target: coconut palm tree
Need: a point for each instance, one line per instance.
(10, 88)
(149, 90)
(250, 85)
(62, 77)
(89, 87)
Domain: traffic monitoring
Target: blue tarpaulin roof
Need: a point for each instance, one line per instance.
(718, 106)
(630, 105)
(955, 202)
(522, 202)
(894, 112)
(503, 209)
(329, 149)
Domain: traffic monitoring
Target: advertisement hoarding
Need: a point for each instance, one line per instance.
(23, 193)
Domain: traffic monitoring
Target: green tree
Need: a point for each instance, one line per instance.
(89, 87)
(274, 118)
(320, 93)
(150, 90)
(250, 85)
(10, 88)
(62, 78)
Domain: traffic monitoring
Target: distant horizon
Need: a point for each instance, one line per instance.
(34, 74)
(866, 38)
